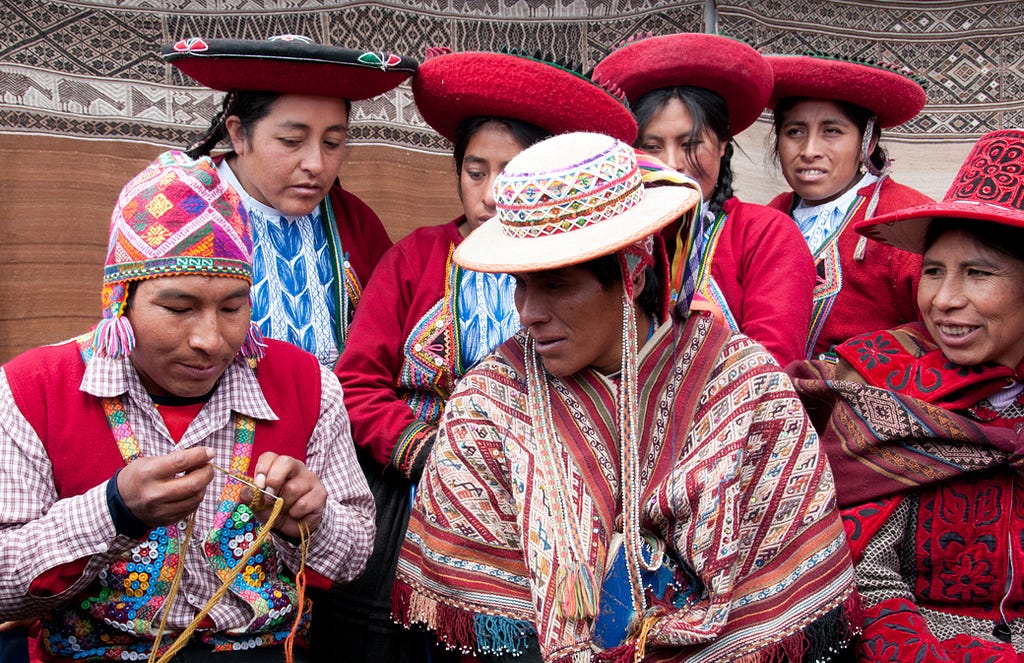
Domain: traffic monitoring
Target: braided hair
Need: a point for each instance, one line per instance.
(708, 112)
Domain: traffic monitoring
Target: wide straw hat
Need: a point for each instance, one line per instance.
(451, 87)
(892, 96)
(570, 199)
(288, 64)
(732, 69)
(989, 187)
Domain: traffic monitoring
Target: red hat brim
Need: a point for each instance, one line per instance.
(452, 87)
(288, 67)
(730, 68)
(892, 97)
(906, 228)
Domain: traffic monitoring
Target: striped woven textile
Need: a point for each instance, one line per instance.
(733, 483)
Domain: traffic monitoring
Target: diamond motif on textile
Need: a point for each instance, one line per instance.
(155, 234)
(159, 206)
(194, 205)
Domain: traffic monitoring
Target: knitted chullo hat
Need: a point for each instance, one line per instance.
(175, 218)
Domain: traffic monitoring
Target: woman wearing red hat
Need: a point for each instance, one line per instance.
(828, 116)
(922, 426)
(286, 115)
(691, 93)
(424, 321)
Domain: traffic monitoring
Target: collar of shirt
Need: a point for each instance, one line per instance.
(237, 391)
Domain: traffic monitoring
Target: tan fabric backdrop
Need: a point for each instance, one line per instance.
(85, 102)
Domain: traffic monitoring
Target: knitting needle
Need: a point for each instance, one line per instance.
(241, 478)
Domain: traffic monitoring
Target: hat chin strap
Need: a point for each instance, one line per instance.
(865, 151)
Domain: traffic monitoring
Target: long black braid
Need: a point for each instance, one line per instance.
(708, 111)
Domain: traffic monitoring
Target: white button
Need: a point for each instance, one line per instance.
(102, 548)
(192, 599)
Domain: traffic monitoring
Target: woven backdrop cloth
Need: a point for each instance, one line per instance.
(86, 102)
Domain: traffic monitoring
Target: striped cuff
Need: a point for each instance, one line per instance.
(412, 448)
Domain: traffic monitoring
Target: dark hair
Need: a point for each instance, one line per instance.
(250, 107)
(854, 113)
(525, 134)
(708, 111)
(999, 237)
(607, 271)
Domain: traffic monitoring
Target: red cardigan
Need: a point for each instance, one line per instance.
(408, 282)
(766, 274)
(879, 291)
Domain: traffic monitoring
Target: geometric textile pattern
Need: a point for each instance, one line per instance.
(92, 69)
(970, 54)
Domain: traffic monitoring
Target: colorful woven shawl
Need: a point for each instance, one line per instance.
(733, 482)
(887, 414)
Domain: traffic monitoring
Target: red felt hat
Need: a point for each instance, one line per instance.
(289, 64)
(893, 97)
(451, 87)
(989, 187)
(728, 67)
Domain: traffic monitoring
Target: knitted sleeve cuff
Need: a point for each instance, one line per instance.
(125, 521)
(412, 448)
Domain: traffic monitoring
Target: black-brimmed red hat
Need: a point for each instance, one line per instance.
(288, 64)
(730, 68)
(450, 87)
(989, 187)
(894, 97)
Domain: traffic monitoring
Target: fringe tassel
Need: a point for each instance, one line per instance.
(500, 635)
(113, 337)
(453, 626)
(577, 596)
(254, 347)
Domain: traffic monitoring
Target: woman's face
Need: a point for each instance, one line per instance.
(292, 156)
(488, 151)
(575, 321)
(819, 150)
(669, 137)
(972, 301)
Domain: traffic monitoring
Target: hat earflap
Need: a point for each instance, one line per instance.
(254, 346)
(114, 336)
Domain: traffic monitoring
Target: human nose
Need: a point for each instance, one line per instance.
(810, 147)
(675, 158)
(531, 307)
(312, 160)
(949, 294)
(205, 334)
(488, 197)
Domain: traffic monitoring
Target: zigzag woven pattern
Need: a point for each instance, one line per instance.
(534, 204)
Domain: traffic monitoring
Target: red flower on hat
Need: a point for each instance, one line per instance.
(191, 45)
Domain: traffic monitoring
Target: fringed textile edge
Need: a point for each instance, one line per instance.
(459, 628)
(824, 639)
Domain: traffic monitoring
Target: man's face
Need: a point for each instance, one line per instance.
(188, 329)
(575, 321)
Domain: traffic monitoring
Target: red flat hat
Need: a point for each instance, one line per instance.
(288, 64)
(732, 69)
(989, 187)
(451, 87)
(891, 96)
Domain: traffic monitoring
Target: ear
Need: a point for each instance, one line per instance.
(234, 127)
(721, 148)
(639, 281)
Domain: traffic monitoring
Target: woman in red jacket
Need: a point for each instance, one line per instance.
(828, 116)
(691, 93)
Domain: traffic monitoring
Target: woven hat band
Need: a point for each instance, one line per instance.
(576, 196)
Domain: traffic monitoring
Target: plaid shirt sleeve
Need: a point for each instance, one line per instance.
(342, 543)
(39, 533)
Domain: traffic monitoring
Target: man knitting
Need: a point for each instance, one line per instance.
(139, 462)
